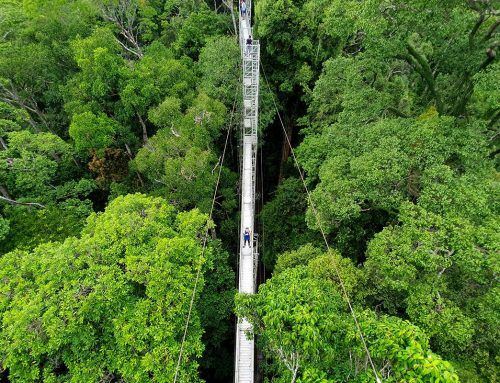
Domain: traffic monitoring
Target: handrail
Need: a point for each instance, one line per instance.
(248, 258)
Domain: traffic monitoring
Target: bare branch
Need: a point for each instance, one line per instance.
(14, 202)
(3, 144)
(174, 132)
(124, 16)
(290, 360)
(144, 129)
(11, 96)
(128, 49)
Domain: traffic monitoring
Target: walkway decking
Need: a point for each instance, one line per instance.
(244, 356)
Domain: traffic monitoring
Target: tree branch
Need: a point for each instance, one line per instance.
(130, 156)
(144, 129)
(124, 16)
(492, 30)
(494, 153)
(494, 119)
(490, 56)
(124, 46)
(11, 96)
(397, 112)
(3, 144)
(14, 202)
(425, 70)
(474, 30)
(469, 85)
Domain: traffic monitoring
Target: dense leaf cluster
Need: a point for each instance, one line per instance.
(110, 304)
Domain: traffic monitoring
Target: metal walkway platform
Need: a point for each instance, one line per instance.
(244, 355)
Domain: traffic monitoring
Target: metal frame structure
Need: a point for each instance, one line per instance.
(248, 257)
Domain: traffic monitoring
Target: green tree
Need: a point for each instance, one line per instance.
(438, 270)
(284, 220)
(94, 133)
(156, 76)
(219, 70)
(307, 335)
(11, 119)
(4, 228)
(180, 159)
(118, 310)
(216, 307)
(96, 85)
(35, 59)
(295, 38)
(381, 165)
(197, 28)
(40, 198)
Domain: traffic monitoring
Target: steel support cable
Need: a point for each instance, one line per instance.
(205, 238)
(313, 207)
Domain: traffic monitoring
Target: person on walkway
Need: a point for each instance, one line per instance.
(246, 237)
(243, 7)
(249, 45)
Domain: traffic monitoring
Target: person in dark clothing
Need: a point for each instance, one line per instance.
(246, 237)
(249, 45)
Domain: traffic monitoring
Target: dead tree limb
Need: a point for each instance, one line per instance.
(10, 95)
(123, 15)
(14, 202)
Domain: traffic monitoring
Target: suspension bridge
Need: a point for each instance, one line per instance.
(248, 256)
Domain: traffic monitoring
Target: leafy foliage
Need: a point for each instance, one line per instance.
(88, 92)
(284, 219)
(38, 168)
(118, 309)
(307, 334)
(399, 144)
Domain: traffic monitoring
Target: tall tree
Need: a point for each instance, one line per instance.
(111, 304)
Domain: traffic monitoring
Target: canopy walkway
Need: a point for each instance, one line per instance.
(244, 354)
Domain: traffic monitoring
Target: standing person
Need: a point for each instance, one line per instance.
(243, 7)
(246, 237)
(249, 44)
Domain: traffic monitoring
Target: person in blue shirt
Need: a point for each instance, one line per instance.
(243, 7)
(246, 237)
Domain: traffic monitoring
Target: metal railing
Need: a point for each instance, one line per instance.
(248, 259)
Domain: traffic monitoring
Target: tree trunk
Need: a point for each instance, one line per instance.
(229, 5)
(4, 192)
(144, 129)
(129, 152)
(124, 14)
(422, 66)
(3, 144)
